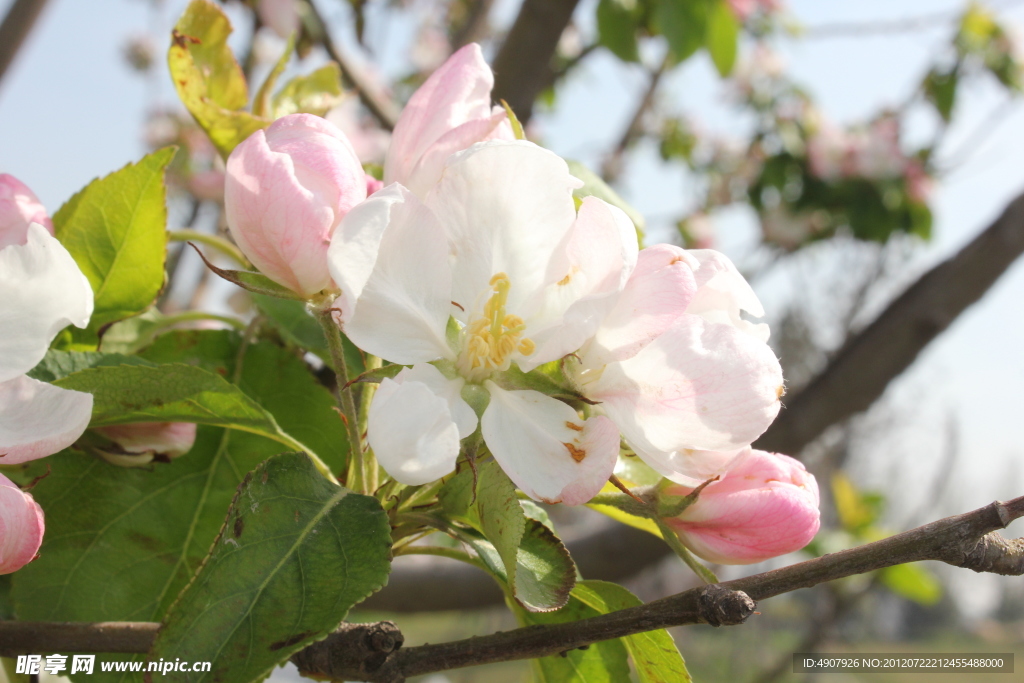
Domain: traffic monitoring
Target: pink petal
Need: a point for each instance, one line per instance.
(19, 208)
(21, 527)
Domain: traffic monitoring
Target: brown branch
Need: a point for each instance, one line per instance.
(869, 361)
(17, 24)
(522, 68)
(373, 652)
(474, 25)
(382, 108)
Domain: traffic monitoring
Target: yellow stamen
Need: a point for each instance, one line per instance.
(493, 337)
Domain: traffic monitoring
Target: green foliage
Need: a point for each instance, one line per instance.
(116, 230)
(520, 551)
(315, 93)
(295, 553)
(122, 543)
(296, 326)
(684, 24)
(603, 662)
(617, 24)
(940, 89)
(654, 653)
(913, 582)
(209, 81)
(723, 32)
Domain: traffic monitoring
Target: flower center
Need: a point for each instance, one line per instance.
(492, 337)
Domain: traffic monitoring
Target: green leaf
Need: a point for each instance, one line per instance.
(458, 497)
(121, 543)
(116, 230)
(545, 574)
(256, 283)
(617, 25)
(296, 326)
(294, 555)
(684, 25)
(602, 662)
(57, 365)
(593, 185)
(315, 93)
(209, 81)
(723, 35)
(654, 653)
(503, 523)
(940, 89)
(913, 582)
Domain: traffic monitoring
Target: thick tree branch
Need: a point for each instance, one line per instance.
(382, 108)
(863, 368)
(374, 653)
(15, 28)
(522, 68)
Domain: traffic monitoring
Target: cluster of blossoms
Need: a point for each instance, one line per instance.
(530, 324)
(477, 269)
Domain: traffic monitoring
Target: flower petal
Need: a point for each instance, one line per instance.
(546, 449)
(722, 292)
(21, 527)
(411, 431)
(600, 255)
(42, 291)
(38, 419)
(690, 467)
(448, 389)
(459, 91)
(19, 208)
(657, 294)
(398, 310)
(699, 385)
(506, 208)
(430, 166)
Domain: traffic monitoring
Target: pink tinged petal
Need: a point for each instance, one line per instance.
(42, 291)
(401, 307)
(448, 389)
(766, 505)
(722, 292)
(507, 207)
(372, 185)
(38, 419)
(700, 385)
(600, 255)
(546, 449)
(286, 190)
(458, 92)
(690, 467)
(172, 439)
(412, 433)
(21, 527)
(657, 294)
(19, 208)
(430, 166)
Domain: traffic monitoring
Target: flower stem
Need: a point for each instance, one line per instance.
(366, 395)
(357, 478)
(685, 555)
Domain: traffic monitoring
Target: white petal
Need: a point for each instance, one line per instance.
(600, 255)
(42, 291)
(412, 432)
(700, 385)
(546, 449)
(448, 389)
(722, 292)
(690, 467)
(38, 419)
(402, 305)
(506, 207)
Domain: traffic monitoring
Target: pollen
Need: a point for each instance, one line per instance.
(577, 453)
(573, 426)
(492, 338)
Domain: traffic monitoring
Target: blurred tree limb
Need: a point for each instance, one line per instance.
(373, 652)
(17, 24)
(522, 69)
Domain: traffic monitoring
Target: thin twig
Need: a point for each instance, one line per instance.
(383, 109)
(612, 165)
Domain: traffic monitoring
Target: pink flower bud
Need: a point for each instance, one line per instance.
(168, 439)
(765, 505)
(287, 189)
(450, 112)
(21, 527)
(18, 208)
